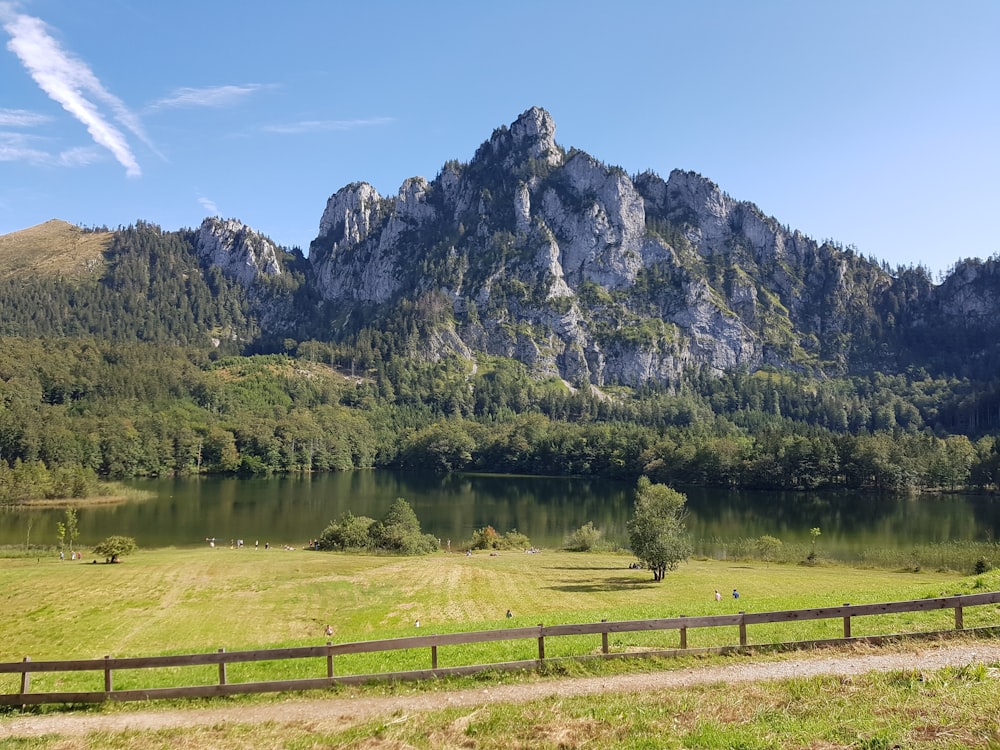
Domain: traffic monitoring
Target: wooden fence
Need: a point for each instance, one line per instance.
(741, 621)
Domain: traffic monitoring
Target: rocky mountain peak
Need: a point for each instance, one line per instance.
(350, 213)
(238, 250)
(579, 270)
(534, 134)
(531, 137)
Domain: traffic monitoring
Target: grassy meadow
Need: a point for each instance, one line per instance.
(168, 601)
(54, 248)
(182, 600)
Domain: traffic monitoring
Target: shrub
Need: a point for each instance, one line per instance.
(351, 532)
(584, 539)
(399, 532)
(488, 538)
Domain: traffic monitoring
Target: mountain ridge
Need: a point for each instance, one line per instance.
(549, 256)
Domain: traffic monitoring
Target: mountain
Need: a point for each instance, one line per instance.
(53, 248)
(528, 251)
(551, 257)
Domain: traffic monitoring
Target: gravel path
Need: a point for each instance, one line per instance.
(338, 712)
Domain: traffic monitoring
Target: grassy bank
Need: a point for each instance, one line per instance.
(170, 600)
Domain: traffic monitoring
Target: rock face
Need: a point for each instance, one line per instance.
(239, 251)
(580, 271)
(583, 272)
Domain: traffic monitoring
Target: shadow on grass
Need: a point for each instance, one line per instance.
(608, 584)
(593, 567)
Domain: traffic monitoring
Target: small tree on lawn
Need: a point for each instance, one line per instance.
(656, 530)
(115, 547)
(584, 539)
(399, 531)
(767, 547)
(811, 557)
(67, 530)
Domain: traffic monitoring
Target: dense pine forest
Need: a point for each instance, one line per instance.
(162, 365)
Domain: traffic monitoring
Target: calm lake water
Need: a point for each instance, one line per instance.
(292, 510)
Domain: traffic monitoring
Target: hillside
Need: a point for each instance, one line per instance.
(55, 248)
(529, 251)
(532, 310)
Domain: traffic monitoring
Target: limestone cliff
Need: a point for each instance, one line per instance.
(240, 252)
(570, 265)
(545, 254)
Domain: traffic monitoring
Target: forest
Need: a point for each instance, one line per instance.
(144, 409)
(163, 366)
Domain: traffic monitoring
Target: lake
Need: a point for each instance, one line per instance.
(291, 510)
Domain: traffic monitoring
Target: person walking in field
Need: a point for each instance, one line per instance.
(718, 596)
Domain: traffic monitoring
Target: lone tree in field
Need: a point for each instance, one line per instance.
(67, 530)
(656, 530)
(115, 547)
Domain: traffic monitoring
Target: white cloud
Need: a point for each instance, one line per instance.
(72, 84)
(324, 126)
(212, 96)
(208, 205)
(78, 157)
(21, 118)
(12, 152)
(20, 147)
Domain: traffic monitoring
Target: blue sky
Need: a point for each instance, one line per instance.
(873, 123)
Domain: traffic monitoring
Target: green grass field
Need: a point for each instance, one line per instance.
(180, 601)
(175, 601)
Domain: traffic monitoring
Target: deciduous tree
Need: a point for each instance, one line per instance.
(656, 530)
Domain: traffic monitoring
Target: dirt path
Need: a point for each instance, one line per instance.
(331, 713)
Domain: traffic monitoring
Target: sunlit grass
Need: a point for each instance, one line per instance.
(170, 601)
(950, 708)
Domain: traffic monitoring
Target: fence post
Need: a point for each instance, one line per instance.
(743, 629)
(222, 669)
(108, 687)
(541, 643)
(329, 659)
(434, 657)
(25, 679)
(958, 617)
(604, 638)
(684, 635)
(847, 622)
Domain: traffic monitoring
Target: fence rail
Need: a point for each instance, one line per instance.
(221, 658)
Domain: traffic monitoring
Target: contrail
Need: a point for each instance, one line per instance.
(72, 84)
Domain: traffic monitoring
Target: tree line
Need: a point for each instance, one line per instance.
(75, 409)
(162, 365)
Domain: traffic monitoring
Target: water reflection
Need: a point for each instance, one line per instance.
(291, 510)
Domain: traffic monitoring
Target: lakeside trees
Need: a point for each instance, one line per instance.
(398, 532)
(160, 364)
(656, 530)
(86, 409)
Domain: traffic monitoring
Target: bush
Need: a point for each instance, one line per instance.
(351, 532)
(584, 539)
(398, 532)
(488, 538)
(982, 566)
